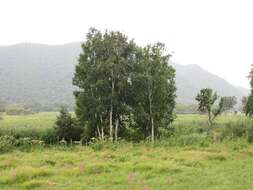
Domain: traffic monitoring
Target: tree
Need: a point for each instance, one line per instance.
(248, 101)
(65, 126)
(244, 103)
(102, 76)
(206, 103)
(122, 86)
(229, 102)
(153, 90)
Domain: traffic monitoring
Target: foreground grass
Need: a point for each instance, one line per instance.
(227, 166)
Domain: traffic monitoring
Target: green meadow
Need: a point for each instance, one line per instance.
(188, 160)
(227, 166)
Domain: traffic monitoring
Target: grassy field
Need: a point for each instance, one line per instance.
(129, 167)
(226, 165)
(46, 120)
(40, 120)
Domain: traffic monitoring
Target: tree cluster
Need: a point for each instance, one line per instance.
(123, 88)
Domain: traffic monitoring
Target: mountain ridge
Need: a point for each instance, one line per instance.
(41, 73)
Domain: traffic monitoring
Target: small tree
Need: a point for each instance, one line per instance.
(65, 126)
(206, 99)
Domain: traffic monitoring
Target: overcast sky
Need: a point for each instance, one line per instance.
(215, 34)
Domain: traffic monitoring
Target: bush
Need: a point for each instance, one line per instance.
(7, 143)
(66, 127)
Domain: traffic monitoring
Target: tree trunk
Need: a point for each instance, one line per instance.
(111, 108)
(99, 134)
(102, 128)
(116, 129)
(210, 118)
(151, 117)
(152, 129)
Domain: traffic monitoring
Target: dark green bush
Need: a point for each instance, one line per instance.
(66, 127)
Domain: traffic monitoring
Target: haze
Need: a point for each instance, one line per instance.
(217, 35)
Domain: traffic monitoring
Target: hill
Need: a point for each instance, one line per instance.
(191, 78)
(42, 74)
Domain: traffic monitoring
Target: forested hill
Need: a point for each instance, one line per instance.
(42, 74)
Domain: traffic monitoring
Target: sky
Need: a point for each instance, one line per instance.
(214, 34)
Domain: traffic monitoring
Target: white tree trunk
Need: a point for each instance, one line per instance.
(151, 117)
(102, 128)
(111, 108)
(116, 129)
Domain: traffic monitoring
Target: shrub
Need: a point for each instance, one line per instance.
(66, 127)
(7, 143)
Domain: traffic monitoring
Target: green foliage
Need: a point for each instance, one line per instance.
(66, 127)
(7, 143)
(248, 106)
(153, 90)
(248, 101)
(206, 99)
(122, 86)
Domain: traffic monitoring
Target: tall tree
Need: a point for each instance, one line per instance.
(153, 88)
(102, 76)
(206, 99)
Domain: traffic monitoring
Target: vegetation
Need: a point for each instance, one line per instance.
(192, 128)
(207, 99)
(125, 99)
(66, 127)
(225, 166)
(248, 101)
(121, 85)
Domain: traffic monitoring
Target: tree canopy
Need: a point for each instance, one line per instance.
(206, 99)
(119, 81)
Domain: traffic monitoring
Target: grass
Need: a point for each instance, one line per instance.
(129, 167)
(40, 120)
(226, 165)
(45, 120)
